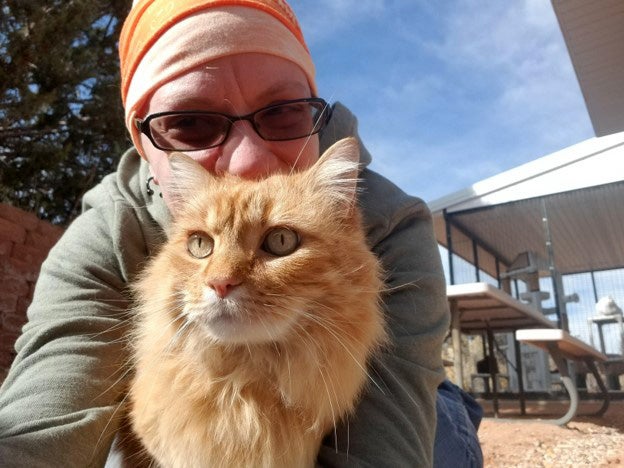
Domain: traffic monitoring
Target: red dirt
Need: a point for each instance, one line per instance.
(512, 441)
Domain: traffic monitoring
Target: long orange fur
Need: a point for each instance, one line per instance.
(310, 321)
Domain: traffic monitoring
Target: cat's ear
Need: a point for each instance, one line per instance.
(186, 177)
(337, 170)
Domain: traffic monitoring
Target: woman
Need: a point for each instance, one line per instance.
(235, 58)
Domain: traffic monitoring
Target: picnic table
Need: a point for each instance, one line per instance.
(481, 307)
(561, 346)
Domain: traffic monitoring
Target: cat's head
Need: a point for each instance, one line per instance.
(256, 261)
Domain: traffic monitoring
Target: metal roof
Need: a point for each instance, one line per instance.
(593, 31)
(580, 190)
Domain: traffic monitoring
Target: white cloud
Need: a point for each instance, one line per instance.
(350, 8)
(492, 34)
(517, 47)
(324, 20)
(448, 93)
(412, 90)
(427, 171)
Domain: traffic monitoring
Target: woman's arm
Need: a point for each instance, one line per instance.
(58, 402)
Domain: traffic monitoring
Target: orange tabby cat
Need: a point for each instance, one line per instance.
(256, 320)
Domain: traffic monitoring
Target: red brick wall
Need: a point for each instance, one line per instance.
(25, 241)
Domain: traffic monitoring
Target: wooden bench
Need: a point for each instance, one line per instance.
(562, 347)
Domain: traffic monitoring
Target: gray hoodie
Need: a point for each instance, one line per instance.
(58, 401)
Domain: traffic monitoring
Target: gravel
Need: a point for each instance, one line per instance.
(586, 441)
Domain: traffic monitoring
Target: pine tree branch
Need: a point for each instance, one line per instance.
(26, 132)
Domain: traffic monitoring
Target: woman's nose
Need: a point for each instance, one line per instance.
(245, 153)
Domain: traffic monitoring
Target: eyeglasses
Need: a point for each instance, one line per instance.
(197, 130)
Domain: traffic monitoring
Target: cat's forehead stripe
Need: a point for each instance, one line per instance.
(237, 210)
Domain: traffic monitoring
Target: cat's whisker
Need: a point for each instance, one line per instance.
(124, 373)
(120, 405)
(348, 439)
(326, 324)
(331, 405)
(166, 350)
(296, 162)
(331, 317)
(124, 300)
(178, 334)
(398, 382)
(123, 338)
(248, 347)
(308, 138)
(346, 348)
(289, 371)
(121, 370)
(327, 390)
(399, 287)
(116, 320)
(271, 336)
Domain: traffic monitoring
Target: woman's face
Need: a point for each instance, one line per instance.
(236, 85)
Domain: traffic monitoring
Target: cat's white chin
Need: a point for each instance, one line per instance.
(230, 329)
(227, 320)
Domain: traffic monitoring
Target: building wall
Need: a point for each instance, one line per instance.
(25, 241)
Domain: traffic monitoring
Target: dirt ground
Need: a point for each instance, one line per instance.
(511, 441)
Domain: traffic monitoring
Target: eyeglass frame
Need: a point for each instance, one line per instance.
(143, 125)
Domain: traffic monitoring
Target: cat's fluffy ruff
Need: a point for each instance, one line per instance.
(200, 398)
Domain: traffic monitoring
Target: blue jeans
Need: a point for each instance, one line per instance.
(456, 441)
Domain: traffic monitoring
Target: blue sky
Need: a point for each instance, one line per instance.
(447, 92)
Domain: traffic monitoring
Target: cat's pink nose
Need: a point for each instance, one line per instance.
(223, 287)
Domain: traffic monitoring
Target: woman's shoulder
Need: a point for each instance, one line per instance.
(384, 205)
(121, 186)
(119, 208)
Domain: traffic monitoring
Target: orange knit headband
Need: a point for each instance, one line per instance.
(149, 19)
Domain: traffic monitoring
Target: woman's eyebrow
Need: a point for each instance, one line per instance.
(184, 102)
(181, 100)
(275, 90)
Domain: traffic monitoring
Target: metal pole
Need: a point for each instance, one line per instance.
(493, 366)
(449, 245)
(593, 280)
(518, 352)
(556, 280)
(475, 259)
(456, 339)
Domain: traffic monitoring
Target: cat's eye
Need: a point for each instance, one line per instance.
(281, 241)
(199, 244)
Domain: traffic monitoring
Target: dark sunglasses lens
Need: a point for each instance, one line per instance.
(187, 132)
(290, 121)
